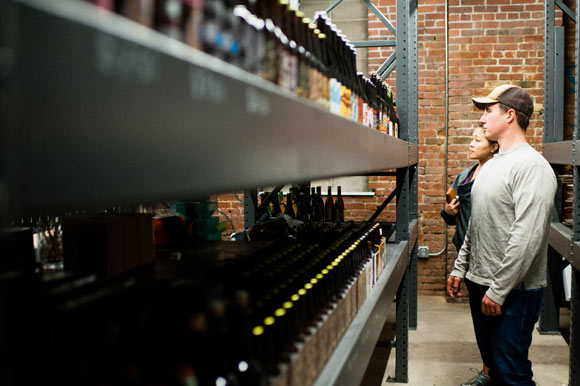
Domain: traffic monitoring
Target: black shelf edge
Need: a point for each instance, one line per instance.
(347, 365)
(560, 153)
(107, 112)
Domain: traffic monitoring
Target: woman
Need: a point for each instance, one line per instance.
(458, 211)
(482, 150)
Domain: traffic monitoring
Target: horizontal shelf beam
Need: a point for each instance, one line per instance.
(560, 238)
(576, 255)
(119, 114)
(351, 357)
(559, 153)
(375, 43)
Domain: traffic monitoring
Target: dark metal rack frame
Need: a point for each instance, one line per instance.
(564, 242)
(99, 111)
(353, 353)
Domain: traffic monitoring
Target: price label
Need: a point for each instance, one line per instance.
(124, 60)
(257, 103)
(205, 86)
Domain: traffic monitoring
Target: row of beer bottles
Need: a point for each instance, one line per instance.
(271, 39)
(231, 326)
(307, 205)
(274, 299)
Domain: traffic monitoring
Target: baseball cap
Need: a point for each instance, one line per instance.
(513, 96)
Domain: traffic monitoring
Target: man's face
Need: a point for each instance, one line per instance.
(494, 121)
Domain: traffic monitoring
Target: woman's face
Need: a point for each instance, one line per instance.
(479, 148)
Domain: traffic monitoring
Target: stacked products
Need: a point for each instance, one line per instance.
(304, 204)
(271, 39)
(201, 318)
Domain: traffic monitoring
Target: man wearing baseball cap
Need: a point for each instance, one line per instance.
(503, 258)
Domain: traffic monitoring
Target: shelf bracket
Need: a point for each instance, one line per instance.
(268, 200)
(250, 207)
(387, 201)
(566, 10)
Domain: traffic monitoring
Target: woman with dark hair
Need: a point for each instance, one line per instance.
(458, 211)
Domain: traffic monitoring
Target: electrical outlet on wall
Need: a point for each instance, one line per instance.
(423, 252)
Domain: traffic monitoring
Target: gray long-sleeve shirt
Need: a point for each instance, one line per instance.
(506, 241)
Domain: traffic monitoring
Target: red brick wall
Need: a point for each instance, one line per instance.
(231, 211)
(490, 42)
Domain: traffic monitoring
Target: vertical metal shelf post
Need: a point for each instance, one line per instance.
(574, 377)
(553, 132)
(406, 59)
(554, 51)
(413, 138)
(549, 52)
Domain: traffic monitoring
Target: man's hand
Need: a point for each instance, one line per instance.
(452, 208)
(453, 286)
(489, 307)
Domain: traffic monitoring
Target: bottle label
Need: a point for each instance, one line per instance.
(366, 115)
(269, 66)
(325, 87)
(345, 101)
(314, 92)
(332, 89)
(303, 79)
(288, 75)
(353, 107)
(384, 122)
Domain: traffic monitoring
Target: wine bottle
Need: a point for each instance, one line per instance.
(319, 204)
(312, 204)
(290, 205)
(219, 351)
(168, 17)
(269, 66)
(329, 214)
(281, 202)
(276, 210)
(247, 369)
(339, 207)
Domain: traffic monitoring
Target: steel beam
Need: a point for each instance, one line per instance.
(566, 10)
(375, 43)
(559, 153)
(549, 55)
(560, 238)
(574, 379)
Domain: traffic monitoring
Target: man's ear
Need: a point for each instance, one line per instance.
(511, 115)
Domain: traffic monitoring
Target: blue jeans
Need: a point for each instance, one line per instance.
(504, 341)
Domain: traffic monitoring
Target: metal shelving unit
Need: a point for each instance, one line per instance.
(88, 126)
(564, 241)
(99, 111)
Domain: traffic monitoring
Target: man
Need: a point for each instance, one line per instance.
(503, 258)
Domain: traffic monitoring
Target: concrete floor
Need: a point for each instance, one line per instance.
(442, 350)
